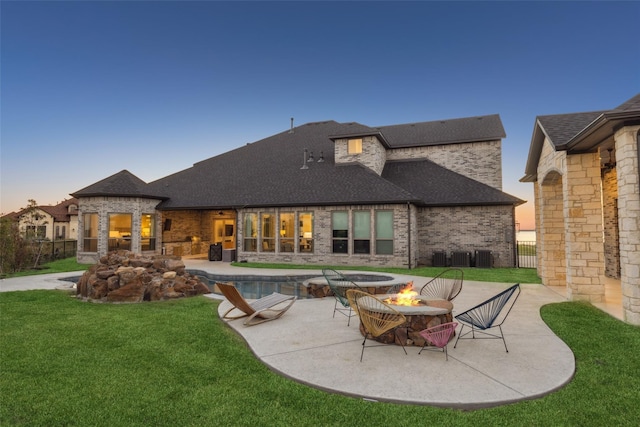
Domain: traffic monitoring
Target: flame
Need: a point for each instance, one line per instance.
(407, 296)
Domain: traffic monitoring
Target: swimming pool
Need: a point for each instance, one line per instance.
(256, 286)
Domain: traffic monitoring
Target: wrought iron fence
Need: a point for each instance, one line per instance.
(59, 249)
(527, 254)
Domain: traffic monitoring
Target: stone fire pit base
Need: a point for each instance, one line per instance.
(409, 332)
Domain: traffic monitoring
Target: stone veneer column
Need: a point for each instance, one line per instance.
(626, 140)
(550, 231)
(584, 245)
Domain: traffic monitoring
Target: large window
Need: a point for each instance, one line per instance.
(90, 232)
(354, 146)
(287, 231)
(306, 231)
(148, 232)
(340, 229)
(361, 232)
(119, 232)
(384, 232)
(250, 232)
(268, 232)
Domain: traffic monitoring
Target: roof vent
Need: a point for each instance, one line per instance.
(291, 130)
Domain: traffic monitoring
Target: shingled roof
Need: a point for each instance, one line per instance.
(268, 173)
(579, 132)
(123, 183)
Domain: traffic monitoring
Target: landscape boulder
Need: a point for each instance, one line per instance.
(125, 277)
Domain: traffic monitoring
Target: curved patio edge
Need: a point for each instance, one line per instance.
(311, 347)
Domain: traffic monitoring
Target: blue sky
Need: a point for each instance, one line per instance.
(91, 88)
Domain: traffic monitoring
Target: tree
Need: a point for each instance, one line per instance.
(35, 230)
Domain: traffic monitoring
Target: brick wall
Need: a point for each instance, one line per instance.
(468, 228)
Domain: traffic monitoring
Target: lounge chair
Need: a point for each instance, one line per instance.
(260, 310)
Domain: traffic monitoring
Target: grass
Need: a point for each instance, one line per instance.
(57, 266)
(498, 275)
(174, 363)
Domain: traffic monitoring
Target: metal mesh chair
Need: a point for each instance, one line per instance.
(489, 314)
(376, 316)
(339, 285)
(439, 336)
(446, 285)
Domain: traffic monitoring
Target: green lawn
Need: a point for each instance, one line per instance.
(498, 275)
(58, 266)
(174, 363)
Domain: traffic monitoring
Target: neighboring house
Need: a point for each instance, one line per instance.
(58, 222)
(584, 168)
(323, 193)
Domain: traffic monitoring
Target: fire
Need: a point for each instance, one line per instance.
(407, 296)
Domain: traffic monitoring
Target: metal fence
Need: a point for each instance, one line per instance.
(59, 249)
(526, 254)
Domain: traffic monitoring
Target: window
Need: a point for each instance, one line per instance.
(250, 232)
(148, 232)
(354, 146)
(362, 232)
(90, 232)
(36, 231)
(268, 232)
(384, 233)
(306, 232)
(340, 228)
(119, 232)
(287, 232)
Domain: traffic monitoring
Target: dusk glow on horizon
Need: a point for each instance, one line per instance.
(92, 88)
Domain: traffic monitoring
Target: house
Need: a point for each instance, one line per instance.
(321, 193)
(57, 222)
(584, 168)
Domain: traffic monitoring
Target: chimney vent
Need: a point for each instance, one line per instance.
(291, 130)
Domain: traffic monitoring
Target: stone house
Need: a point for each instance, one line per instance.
(58, 222)
(584, 167)
(322, 193)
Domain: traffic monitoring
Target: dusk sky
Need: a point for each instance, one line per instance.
(91, 88)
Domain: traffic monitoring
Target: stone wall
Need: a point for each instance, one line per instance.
(628, 168)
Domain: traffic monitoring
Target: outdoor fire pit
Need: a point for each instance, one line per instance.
(421, 313)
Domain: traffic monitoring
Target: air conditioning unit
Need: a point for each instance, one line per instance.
(439, 259)
(484, 259)
(460, 259)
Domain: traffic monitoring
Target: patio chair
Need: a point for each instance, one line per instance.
(259, 311)
(339, 285)
(446, 285)
(439, 336)
(487, 315)
(376, 316)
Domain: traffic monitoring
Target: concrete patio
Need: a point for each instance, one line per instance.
(309, 346)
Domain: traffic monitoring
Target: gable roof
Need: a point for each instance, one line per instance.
(579, 132)
(59, 212)
(123, 183)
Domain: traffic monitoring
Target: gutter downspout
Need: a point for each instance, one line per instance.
(409, 233)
